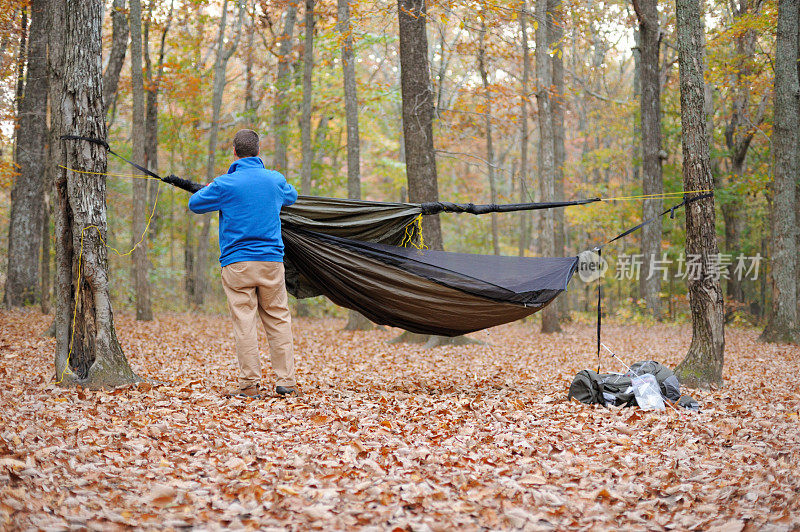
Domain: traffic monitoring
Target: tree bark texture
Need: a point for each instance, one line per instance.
(555, 29)
(250, 102)
(116, 57)
(547, 169)
(21, 55)
(280, 117)
(636, 144)
(350, 101)
(307, 146)
(27, 195)
(141, 265)
(703, 362)
(44, 281)
(88, 354)
(783, 325)
(797, 188)
(415, 81)
(487, 118)
(201, 258)
(555, 34)
(652, 182)
(524, 177)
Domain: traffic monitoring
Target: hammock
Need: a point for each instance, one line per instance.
(348, 251)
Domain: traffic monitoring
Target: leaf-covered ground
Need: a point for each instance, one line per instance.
(394, 437)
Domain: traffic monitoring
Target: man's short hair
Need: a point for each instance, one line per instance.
(245, 142)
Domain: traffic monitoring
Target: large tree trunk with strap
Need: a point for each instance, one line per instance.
(420, 155)
(417, 98)
(703, 363)
(27, 196)
(783, 323)
(87, 350)
(652, 182)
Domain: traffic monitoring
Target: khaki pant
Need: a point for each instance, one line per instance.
(257, 289)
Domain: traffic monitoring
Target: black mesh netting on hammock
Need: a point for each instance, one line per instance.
(349, 251)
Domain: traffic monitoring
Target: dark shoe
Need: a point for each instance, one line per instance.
(285, 390)
(251, 392)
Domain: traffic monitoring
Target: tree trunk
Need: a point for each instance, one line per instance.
(487, 117)
(152, 86)
(188, 258)
(44, 281)
(23, 48)
(250, 103)
(88, 354)
(355, 320)
(280, 118)
(547, 161)
(200, 283)
(555, 31)
(556, 35)
(703, 363)
(524, 178)
(636, 155)
(306, 145)
(27, 196)
(417, 98)
(418, 113)
(305, 118)
(141, 265)
(783, 325)
(116, 57)
(652, 182)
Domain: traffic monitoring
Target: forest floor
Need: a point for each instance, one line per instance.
(393, 437)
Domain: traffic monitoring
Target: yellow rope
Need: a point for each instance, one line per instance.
(408, 239)
(115, 250)
(662, 195)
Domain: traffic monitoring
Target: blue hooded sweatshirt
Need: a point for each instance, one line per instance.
(249, 200)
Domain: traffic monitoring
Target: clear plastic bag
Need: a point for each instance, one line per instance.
(647, 392)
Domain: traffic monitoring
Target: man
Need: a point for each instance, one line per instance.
(249, 200)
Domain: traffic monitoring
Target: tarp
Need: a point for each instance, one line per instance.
(349, 251)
